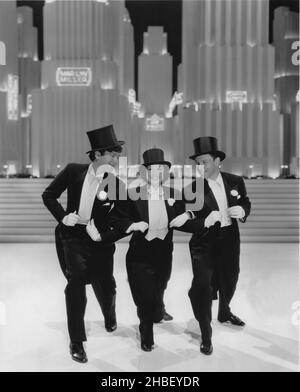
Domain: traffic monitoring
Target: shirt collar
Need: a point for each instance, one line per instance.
(218, 180)
(98, 173)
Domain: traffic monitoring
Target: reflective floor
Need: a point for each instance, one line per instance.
(33, 334)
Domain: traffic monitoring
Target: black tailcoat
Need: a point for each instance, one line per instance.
(215, 252)
(83, 260)
(148, 263)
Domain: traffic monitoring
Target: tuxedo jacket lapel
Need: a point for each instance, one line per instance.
(142, 207)
(77, 188)
(228, 188)
(209, 198)
(171, 212)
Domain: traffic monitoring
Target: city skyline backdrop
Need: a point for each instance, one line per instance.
(144, 13)
(234, 84)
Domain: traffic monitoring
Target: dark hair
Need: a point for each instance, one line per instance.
(102, 152)
(214, 155)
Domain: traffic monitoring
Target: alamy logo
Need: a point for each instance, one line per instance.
(111, 189)
(296, 55)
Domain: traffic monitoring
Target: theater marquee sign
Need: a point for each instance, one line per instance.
(73, 76)
(155, 123)
(236, 96)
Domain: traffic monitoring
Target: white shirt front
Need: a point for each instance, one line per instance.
(158, 217)
(88, 193)
(218, 189)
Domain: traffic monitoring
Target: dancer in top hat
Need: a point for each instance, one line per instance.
(215, 246)
(84, 239)
(149, 257)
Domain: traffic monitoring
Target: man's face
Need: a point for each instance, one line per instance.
(109, 158)
(211, 165)
(155, 174)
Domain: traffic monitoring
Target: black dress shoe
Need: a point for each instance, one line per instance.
(147, 347)
(110, 323)
(164, 317)
(110, 326)
(232, 319)
(167, 317)
(77, 352)
(147, 342)
(206, 349)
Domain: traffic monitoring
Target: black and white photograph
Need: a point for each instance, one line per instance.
(149, 188)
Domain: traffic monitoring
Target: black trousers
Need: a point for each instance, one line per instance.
(149, 265)
(86, 261)
(215, 262)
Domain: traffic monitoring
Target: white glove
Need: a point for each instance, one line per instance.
(180, 220)
(92, 231)
(213, 217)
(138, 226)
(236, 212)
(71, 219)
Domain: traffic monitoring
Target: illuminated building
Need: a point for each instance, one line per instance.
(155, 72)
(227, 80)
(19, 77)
(10, 134)
(87, 71)
(29, 77)
(157, 127)
(287, 55)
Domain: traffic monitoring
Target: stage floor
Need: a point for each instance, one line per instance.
(33, 334)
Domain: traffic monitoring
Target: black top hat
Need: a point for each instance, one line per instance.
(103, 139)
(207, 145)
(155, 156)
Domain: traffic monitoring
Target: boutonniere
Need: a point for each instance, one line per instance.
(235, 193)
(102, 195)
(171, 201)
